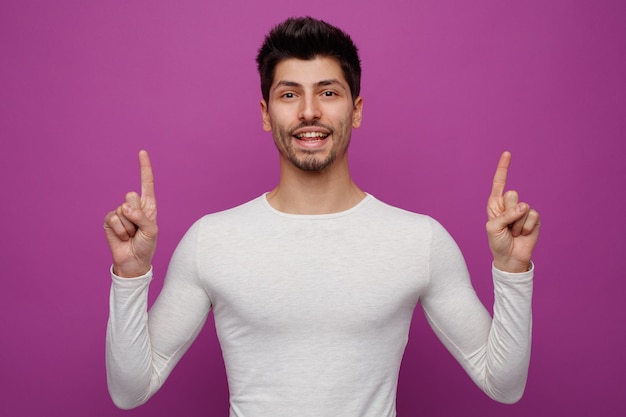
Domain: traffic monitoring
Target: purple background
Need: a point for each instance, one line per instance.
(447, 86)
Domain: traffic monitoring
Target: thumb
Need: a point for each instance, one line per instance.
(133, 212)
(508, 217)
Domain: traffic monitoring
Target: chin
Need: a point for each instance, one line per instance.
(313, 164)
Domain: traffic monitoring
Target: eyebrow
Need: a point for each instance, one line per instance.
(322, 83)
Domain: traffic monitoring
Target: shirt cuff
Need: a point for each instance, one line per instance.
(117, 278)
(529, 273)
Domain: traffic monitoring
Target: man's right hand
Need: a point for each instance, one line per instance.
(131, 229)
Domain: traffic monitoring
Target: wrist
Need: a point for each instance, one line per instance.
(513, 267)
(130, 272)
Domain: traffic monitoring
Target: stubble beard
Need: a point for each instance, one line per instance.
(313, 160)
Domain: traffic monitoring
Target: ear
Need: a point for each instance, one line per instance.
(357, 112)
(267, 122)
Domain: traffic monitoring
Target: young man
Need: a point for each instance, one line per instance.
(313, 285)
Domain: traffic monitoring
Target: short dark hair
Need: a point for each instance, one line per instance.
(307, 38)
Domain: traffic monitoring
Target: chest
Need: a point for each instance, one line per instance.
(340, 280)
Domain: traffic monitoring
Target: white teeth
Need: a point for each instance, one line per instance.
(312, 135)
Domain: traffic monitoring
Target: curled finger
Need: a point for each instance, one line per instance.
(511, 199)
(518, 225)
(114, 227)
(531, 224)
(121, 213)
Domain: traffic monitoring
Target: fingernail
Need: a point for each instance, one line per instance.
(127, 209)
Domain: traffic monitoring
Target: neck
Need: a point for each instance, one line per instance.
(322, 192)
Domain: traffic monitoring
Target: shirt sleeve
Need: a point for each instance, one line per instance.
(495, 352)
(143, 347)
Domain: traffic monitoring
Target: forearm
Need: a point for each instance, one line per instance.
(494, 351)
(143, 348)
(507, 353)
(128, 348)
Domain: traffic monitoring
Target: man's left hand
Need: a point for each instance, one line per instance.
(512, 226)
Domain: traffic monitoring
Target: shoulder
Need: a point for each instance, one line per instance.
(401, 216)
(413, 234)
(408, 223)
(244, 214)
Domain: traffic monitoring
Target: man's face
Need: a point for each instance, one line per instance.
(310, 112)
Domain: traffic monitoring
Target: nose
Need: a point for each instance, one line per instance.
(309, 109)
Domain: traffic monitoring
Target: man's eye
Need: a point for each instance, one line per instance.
(289, 95)
(329, 93)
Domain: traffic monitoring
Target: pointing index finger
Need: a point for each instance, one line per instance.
(147, 178)
(499, 179)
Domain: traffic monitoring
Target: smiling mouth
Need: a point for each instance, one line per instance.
(311, 136)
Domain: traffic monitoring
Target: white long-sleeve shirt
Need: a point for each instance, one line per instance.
(313, 311)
